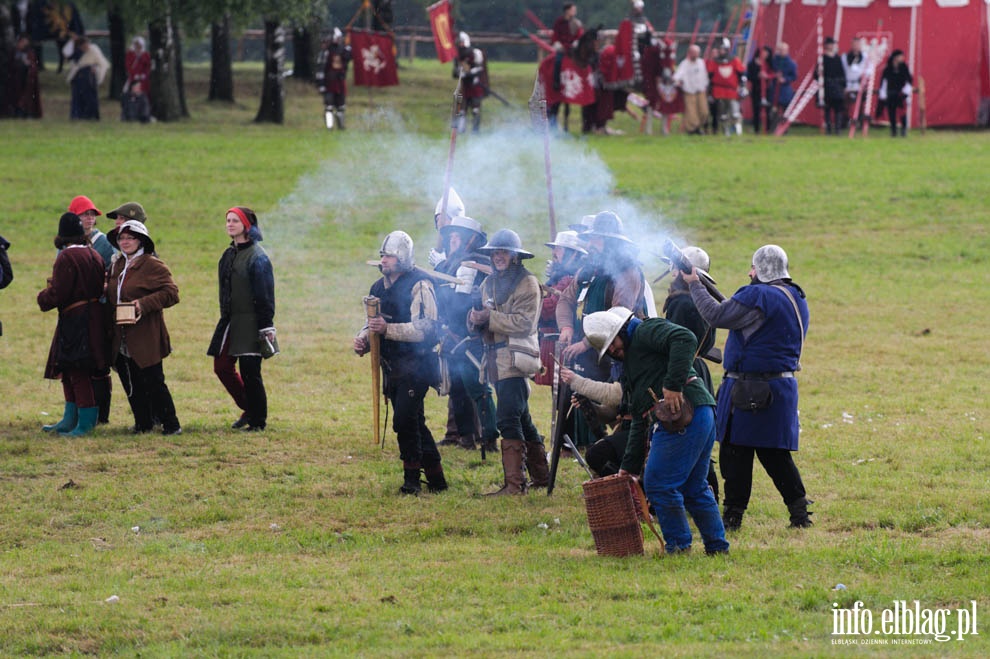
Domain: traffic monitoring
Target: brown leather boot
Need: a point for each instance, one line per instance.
(536, 463)
(513, 452)
(435, 480)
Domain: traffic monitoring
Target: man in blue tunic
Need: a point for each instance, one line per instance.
(757, 404)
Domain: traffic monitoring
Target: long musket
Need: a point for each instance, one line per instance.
(562, 405)
(677, 260)
(498, 97)
(372, 309)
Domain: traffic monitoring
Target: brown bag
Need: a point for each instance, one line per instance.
(668, 420)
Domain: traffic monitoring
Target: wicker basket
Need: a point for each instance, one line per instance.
(613, 516)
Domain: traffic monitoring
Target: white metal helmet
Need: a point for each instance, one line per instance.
(338, 36)
(463, 40)
(465, 224)
(399, 245)
(601, 327)
(770, 263)
(697, 257)
(724, 44)
(567, 240)
(455, 206)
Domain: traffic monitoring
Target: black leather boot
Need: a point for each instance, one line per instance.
(411, 484)
(435, 480)
(732, 518)
(800, 516)
(102, 392)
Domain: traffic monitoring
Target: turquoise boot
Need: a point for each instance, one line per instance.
(87, 421)
(69, 419)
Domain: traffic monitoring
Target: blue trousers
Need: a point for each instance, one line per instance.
(676, 480)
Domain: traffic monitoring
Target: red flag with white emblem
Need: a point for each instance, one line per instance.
(577, 83)
(374, 59)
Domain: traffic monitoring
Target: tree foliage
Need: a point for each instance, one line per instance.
(509, 15)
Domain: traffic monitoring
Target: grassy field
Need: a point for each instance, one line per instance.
(294, 542)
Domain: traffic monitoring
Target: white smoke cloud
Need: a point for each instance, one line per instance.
(500, 175)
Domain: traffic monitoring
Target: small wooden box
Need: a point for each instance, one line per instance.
(126, 313)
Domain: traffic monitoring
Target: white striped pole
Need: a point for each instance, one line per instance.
(821, 68)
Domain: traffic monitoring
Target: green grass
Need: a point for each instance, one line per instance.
(295, 542)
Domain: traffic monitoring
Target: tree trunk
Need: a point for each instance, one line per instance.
(272, 108)
(6, 53)
(118, 50)
(221, 70)
(165, 104)
(179, 77)
(303, 54)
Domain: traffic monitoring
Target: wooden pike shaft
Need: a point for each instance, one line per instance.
(372, 309)
(546, 167)
(439, 276)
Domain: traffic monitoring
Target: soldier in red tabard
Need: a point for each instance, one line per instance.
(727, 77)
(331, 79)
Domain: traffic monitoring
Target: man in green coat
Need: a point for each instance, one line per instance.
(657, 358)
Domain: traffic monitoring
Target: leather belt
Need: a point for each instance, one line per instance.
(759, 376)
(76, 305)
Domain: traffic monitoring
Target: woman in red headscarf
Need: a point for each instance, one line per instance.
(246, 332)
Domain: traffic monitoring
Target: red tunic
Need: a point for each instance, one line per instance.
(548, 325)
(76, 284)
(725, 77)
(567, 32)
(138, 70)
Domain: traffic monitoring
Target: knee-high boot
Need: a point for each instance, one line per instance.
(536, 463)
(103, 392)
(513, 452)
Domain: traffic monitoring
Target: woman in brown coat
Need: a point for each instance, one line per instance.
(139, 347)
(77, 348)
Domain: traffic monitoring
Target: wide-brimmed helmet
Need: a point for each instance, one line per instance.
(567, 240)
(508, 240)
(601, 327)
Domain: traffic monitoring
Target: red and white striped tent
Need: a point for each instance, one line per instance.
(946, 42)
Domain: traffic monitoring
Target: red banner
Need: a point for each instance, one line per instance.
(374, 59)
(577, 83)
(443, 35)
(624, 45)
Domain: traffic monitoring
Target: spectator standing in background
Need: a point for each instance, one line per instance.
(834, 76)
(692, 77)
(135, 101)
(895, 89)
(759, 71)
(89, 68)
(854, 65)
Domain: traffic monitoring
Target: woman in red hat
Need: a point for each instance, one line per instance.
(88, 212)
